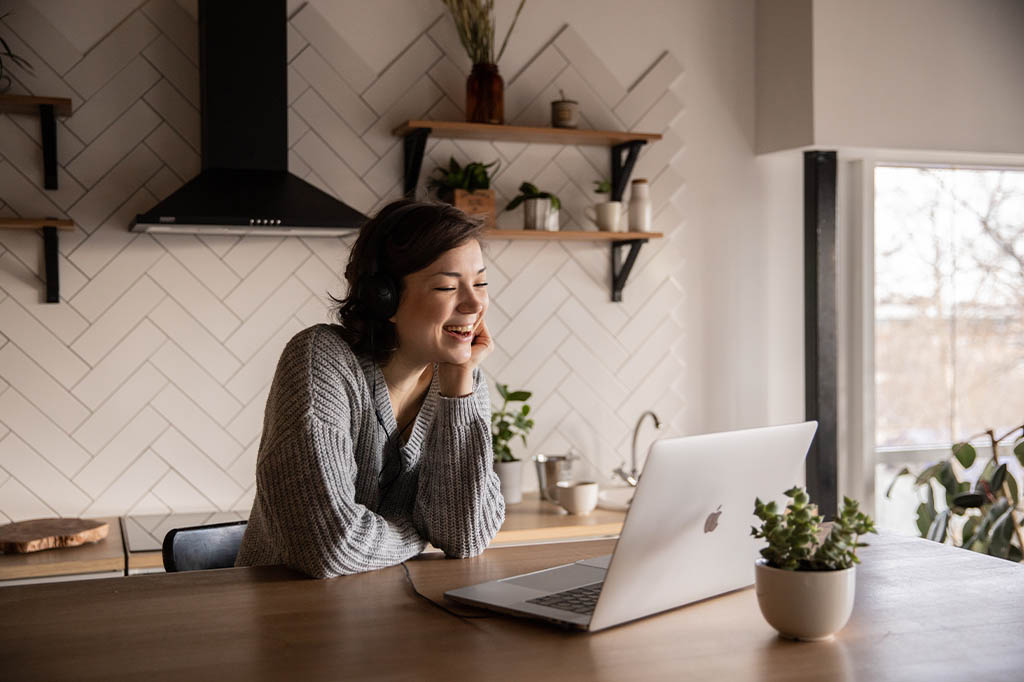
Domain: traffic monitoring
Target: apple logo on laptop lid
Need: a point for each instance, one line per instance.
(712, 521)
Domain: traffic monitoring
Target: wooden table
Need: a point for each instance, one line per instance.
(924, 611)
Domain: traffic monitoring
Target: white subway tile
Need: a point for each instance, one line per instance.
(115, 188)
(112, 54)
(25, 288)
(198, 468)
(180, 495)
(243, 469)
(175, 67)
(19, 194)
(267, 319)
(118, 276)
(651, 314)
(193, 254)
(129, 487)
(335, 51)
(257, 373)
(32, 426)
(18, 503)
(340, 180)
(119, 409)
(120, 363)
(195, 340)
(120, 452)
(174, 151)
(523, 88)
(119, 319)
(176, 24)
(533, 352)
(123, 90)
(163, 184)
(37, 31)
(592, 370)
(192, 379)
(113, 144)
(251, 293)
(26, 155)
(335, 132)
(39, 343)
(196, 425)
(648, 89)
(533, 282)
(190, 293)
(529, 320)
(52, 485)
(32, 381)
(341, 98)
(176, 110)
(588, 330)
(249, 252)
(590, 66)
(412, 103)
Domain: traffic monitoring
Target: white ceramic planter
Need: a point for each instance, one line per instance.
(805, 605)
(510, 474)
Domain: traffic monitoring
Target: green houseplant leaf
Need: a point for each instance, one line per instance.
(965, 454)
(508, 422)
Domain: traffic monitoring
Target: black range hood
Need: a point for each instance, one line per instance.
(244, 186)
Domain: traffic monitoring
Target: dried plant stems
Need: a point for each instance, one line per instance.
(474, 21)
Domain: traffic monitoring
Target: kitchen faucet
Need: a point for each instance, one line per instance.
(634, 474)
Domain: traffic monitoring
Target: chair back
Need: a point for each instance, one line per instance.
(202, 547)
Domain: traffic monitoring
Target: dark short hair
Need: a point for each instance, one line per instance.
(404, 237)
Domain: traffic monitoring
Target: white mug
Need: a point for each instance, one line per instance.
(606, 215)
(577, 497)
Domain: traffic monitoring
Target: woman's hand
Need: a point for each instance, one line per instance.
(457, 379)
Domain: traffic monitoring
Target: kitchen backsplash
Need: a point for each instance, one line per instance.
(143, 390)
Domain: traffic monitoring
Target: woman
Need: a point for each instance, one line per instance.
(376, 437)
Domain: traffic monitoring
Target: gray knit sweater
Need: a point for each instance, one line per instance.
(318, 506)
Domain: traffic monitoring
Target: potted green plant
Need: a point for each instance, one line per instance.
(485, 90)
(6, 53)
(540, 209)
(805, 585)
(507, 424)
(983, 515)
(606, 213)
(467, 187)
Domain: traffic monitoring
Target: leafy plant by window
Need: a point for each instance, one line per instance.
(7, 54)
(474, 21)
(471, 177)
(792, 535)
(507, 424)
(602, 187)
(983, 516)
(529, 191)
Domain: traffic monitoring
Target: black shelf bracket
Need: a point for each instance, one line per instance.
(52, 268)
(621, 170)
(413, 145)
(621, 270)
(48, 128)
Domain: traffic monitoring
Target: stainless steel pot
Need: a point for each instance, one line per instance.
(550, 470)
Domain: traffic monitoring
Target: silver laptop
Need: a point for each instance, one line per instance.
(686, 536)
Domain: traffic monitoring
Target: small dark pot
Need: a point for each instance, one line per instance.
(485, 95)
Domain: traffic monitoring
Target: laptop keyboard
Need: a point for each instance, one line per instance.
(578, 600)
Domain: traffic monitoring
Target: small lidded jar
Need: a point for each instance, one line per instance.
(639, 206)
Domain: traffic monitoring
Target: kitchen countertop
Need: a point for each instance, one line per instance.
(133, 543)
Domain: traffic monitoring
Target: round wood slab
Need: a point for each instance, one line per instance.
(31, 536)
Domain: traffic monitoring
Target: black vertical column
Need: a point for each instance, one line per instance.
(820, 342)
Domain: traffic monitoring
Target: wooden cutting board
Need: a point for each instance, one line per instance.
(37, 534)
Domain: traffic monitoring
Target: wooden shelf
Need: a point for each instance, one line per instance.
(49, 227)
(572, 235)
(36, 223)
(503, 133)
(27, 104)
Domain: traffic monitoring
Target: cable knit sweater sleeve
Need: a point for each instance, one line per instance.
(459, 507)
(305, 514)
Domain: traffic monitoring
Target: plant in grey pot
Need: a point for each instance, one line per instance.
(805, 585)
(540, 209)
(467, 187)
(507, 424)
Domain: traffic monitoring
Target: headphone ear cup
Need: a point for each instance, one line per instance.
(378, 294)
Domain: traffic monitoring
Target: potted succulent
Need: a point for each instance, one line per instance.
(983, 516)
(805, 585)
(606, 213)
(485, 90)
(507, 424)
(540, 209)
(467, 187)
(6, 54)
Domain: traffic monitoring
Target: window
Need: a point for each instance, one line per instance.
(949, 317)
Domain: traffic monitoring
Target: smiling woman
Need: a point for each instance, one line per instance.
(376, 437)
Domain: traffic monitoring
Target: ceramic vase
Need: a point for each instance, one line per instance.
(805, 605)
(510, 474)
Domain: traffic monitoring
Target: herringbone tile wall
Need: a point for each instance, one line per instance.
(143, 390)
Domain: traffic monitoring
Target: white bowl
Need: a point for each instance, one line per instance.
(615, 499)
